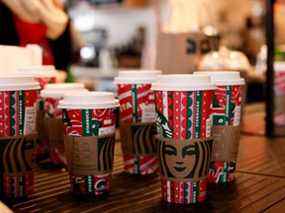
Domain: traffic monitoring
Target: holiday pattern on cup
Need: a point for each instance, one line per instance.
(183, 192)
(51, 108)
(89, 122)
(137, 106)
(183, 115)
(226, 111)
(92, 185)
(18, 112)
(227, 105)
(44, 81)
(17, 186)
(16, 166)
(136, 103)
(221, 171)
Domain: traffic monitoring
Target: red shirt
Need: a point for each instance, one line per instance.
(34, 33)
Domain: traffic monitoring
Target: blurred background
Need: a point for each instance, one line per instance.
(176, 36)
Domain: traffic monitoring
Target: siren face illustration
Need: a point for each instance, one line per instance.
(185, 159)
(180, 159)
(101, 185)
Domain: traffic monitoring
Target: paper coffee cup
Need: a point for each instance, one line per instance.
(18, 102)
(44, 74)
(226, 116)
(18, 107)
(137, 120)
(89, 123)
(183, 107)
(52, 143)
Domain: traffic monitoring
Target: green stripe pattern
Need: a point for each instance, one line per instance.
(198, 116)
(189, 115)
(12, 113)
(86, 122)
(21, 112)
(135, 102)
(228, 102)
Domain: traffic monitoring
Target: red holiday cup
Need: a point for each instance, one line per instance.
(137, 120)
(89, 128)
(18, 109)
(226, 118)
(183, 107)
(44, 74)
(52, 143)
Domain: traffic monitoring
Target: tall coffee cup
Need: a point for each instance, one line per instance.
(183, 107)
(52, 139)
(18, 109)
(137, 120)
(226, 117)
(89, 128)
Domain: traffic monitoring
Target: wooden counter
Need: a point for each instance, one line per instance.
(259, 186)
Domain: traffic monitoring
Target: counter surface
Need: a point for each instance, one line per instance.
(259, 185)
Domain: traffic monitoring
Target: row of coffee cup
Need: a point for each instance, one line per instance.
(187, 110)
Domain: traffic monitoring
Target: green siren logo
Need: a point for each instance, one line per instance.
(162, 126)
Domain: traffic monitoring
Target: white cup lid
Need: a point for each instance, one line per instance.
(43, 71)
(223, 78)
(279, 66)
(58, 90)
(137, 76)
(15, 82)
(88, 100)
(183, 82)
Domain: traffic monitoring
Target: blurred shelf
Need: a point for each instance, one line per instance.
(92, 72)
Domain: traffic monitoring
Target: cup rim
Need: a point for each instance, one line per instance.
(136, 76)
(183, 82)
(16, 82)
(223, 78)
(92, 100)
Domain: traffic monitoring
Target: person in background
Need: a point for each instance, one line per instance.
(4, 209)
(42, 22)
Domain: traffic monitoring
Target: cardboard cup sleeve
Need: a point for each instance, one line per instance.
(89, 155)
(55, 132)
(138, 138)
(17, 165)
(226, 143)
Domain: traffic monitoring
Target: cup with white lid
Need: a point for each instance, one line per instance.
(137, 120)
(226, 117)
(89, 128)
(183, 108)
(18, 109)
(51, 139)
